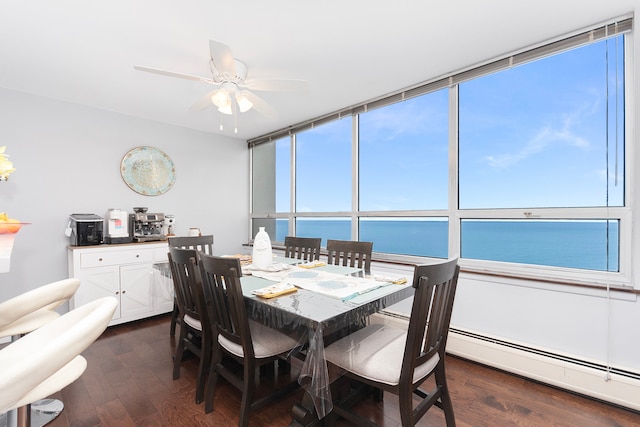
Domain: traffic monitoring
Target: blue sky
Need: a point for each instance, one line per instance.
(530, 136)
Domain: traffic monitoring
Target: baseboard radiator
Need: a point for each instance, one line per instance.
(622, 388)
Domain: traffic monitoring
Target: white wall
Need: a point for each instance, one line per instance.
(569, 321)
(68, 161)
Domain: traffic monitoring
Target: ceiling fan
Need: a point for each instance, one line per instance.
(233, 92)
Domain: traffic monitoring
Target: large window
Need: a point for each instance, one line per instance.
(536, 135)
(404, 155)
(514, 166)
(323, 168)
(271, 177)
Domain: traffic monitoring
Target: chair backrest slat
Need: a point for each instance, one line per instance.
(185, 282)
(350, 253)
(197, 243)
(305, 248)
(221, 282)
(435, 287)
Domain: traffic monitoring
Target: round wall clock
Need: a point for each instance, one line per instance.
(147, 170)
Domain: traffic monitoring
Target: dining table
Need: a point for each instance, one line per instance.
(329, 300)
(320, 303)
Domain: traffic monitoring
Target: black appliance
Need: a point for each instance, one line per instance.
(86, 229)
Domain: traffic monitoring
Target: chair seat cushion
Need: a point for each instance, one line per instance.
(375, 353)
(194, 323)
(65, 376)
(29, 323)
(267, 342)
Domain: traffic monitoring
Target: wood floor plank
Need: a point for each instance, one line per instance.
(129, 382)
(114, 414)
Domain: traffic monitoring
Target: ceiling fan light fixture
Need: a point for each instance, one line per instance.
(243, 103)
(221, 98)
(226, 109)
(234, 92)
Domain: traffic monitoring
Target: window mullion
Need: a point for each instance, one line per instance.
(292, 187)
(454, 220)
(355, 183)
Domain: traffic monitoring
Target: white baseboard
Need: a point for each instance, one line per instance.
(618, 389)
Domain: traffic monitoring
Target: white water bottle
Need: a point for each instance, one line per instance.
(262, 253)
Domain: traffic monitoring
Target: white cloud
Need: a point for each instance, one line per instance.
(547, 136)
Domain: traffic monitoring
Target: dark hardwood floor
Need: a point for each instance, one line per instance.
(128, 382)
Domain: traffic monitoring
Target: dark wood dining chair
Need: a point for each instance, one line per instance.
(193, 336)
(350, 253)
(305, 248)
(399, 360)
(197, 243)
(248, 342)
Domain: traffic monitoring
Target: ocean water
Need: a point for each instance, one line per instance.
(591, 245)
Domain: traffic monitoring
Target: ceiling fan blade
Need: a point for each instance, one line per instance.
(280, 85)
(203, 102)
(178, 75)
(259, 104)
(222, 58)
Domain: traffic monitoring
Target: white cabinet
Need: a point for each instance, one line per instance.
(125, 272)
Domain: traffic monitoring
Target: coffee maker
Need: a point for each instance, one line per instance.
(146, 227)
(117, 227)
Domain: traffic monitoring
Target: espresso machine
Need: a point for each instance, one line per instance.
(117, 227)
(146, 227)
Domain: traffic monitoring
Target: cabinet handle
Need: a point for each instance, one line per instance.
(124, 292)
(100, 259)
(117, 292)
(137, 255)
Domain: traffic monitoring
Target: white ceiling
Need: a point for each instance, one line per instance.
(349, 51)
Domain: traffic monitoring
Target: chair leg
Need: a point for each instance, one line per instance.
(331, 419)
(405, 404)
(445, 398)
(210, 389)
(203, 366)
(248, 389)
(177, 358)
(174, 318)
(284, 366)
(378, 394)
(268, 370)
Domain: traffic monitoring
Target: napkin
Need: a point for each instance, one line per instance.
(271, 268)
(312, 264)
(396, 280)
(275, 290)
(244, 259)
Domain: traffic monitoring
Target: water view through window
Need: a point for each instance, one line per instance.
(590, 245)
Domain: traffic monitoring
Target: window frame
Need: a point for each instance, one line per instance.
(623, 214)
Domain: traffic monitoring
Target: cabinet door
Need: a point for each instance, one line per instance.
(136, 299)
(97, 283)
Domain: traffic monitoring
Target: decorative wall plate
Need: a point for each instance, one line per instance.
(147, 170)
